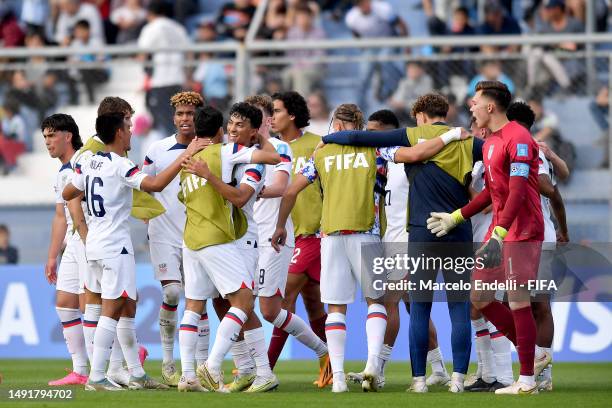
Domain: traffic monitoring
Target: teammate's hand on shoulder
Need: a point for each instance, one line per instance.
(279, 238)
(545, 149)
(197, 144)
(197, 167)
(465, 134)
(51, 270)
(260, 193)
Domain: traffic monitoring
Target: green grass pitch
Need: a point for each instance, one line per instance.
(575, 385)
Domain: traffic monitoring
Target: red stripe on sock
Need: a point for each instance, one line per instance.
(71, 323)
(168, 307)
(234, 318)
(335, 327)
(377, 314)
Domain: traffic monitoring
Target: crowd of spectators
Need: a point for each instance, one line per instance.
(28, 94)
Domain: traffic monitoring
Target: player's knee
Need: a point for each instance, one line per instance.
(269, 314)
(171, 293)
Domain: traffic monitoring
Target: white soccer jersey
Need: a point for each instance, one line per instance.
(480, 222)
(253, 176)
(168, 227)
(546, 167)
(266, 209)
(107, 180)
(396, 202)
(64, 176)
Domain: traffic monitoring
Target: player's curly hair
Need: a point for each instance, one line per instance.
(433, 105)
(187, 98)
(497, 91)
(296, 106)
(244, 110)
(349, 112)
(522, 113)
(114, 104)
(262, 101)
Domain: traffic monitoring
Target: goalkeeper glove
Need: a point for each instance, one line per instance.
(442, 223)
(491, 251)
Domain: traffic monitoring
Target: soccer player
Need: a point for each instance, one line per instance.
(63, 140)
(289, 117)
(550, 197)
(346, 225)
(211, 235)
(396, 200)
(272, 267)
(107, 180)
(437, 183)
(493, 350)
(513, 245)
(165, 233)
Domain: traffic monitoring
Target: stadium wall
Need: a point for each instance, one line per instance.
(29, 327)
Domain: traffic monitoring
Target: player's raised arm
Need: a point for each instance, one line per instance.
(58, 232)
(160, 181)
(299, 183)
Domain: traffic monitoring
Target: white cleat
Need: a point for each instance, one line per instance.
(339, 386)
(356, 378)
(545, 385)
(518, 388)
(456, 384)
(370, 382)
(539, 364)
(418, 386)
(469, 380)
(120, 376)
(438, 378)
(193, 385)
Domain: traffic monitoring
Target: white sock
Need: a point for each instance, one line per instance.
(188, 337)
(103, 341)
(335, 331)
(73, 334)
(168, 318)
(201, 353)
(502, 354)
(126, 332)
(384, 356)
(295, 326)
(256, 342)
(458, 377)
(484, 352)
(227, 334)
(527, 379)
(90, 321)
(116, 356)
(376, 325)
(242, 358)
(435, 359)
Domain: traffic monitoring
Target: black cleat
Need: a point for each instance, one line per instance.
(480, 386)
(496, 386)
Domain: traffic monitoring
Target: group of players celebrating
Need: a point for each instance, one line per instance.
(241, 214)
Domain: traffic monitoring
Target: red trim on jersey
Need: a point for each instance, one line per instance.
(124, 294)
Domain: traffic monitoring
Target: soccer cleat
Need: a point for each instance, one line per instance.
(263, 384)
(169, 374)
(518, 388)
(470, 379)
(120, 376)
(71, 379)
(496, 386)
(143, 353)
(209, 380)
(102, 385)
(240, 383)
(455, 385)
(479, 385)
(438, 378)
(370, 382)
(545, 385)
(193, 385)
(356, 378)
(539, 364)
(325, 371)
(339, 386)
(145, 383)
(418, 385)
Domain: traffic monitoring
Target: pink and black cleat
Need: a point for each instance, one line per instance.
(71, 379)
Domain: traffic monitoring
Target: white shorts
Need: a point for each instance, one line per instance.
(391, 249)
(117, 276)
(250, 256)
(272, 269)
(341, 267)
(73, 268)
(167, 261)
(214, 270)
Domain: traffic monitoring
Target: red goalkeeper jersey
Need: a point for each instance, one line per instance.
(512, 152)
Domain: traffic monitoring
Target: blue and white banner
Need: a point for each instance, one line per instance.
(29, 326)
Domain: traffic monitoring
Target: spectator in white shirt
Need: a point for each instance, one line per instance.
(129, 17)
(72, 11)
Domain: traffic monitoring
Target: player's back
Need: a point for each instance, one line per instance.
(168, 227)
(107, 180)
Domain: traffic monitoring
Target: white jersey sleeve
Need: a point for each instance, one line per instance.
(253, 176)
(150, 161)
(286, 156)
(78, 180)
(388, 153)
(240, 153)
(129, 173)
